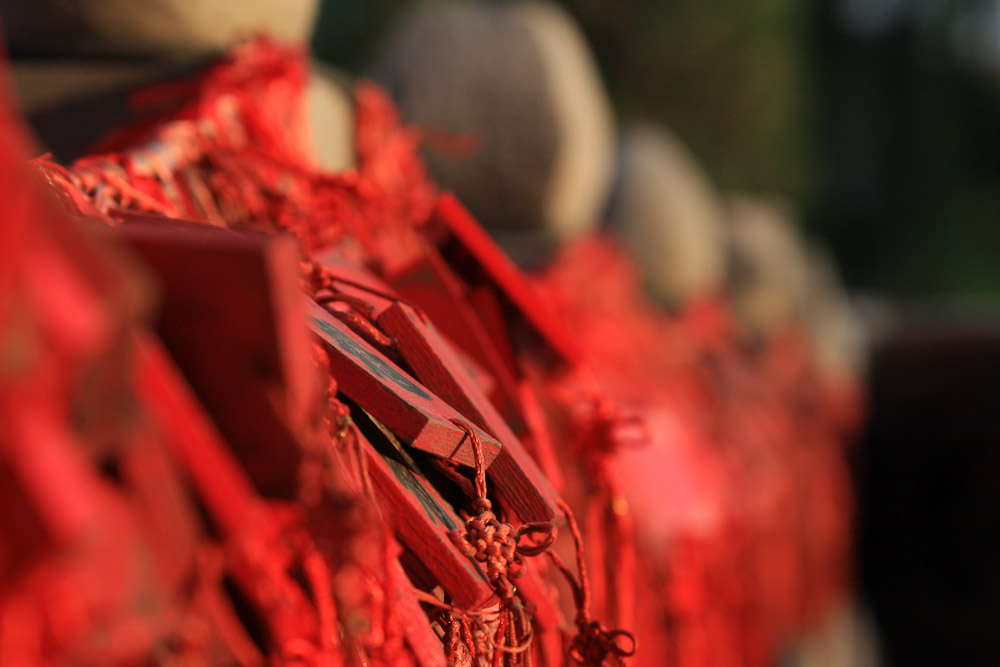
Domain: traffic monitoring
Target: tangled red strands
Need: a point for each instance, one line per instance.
(230, 150)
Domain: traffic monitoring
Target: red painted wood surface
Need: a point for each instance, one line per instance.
(421, 520)
(350, 272)
(382, 388)
(430, 284)
(232, 319)
(23, 533)
(195, 442)
(504, 274)
(422, 640)
(519, 482)
(486, 303)
(357, 281)
(258, 558)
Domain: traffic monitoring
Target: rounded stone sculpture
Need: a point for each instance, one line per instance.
(839, 335)
(148, 27)
(778, 278)
(668, 215)
(517, 82)
(330, 106)
(769, 277)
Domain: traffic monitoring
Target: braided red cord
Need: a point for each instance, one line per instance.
(457, 650)
(593, 645)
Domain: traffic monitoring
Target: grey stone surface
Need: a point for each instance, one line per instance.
(71, 103)
(847, 637)
(669, 216)
(520, 78)
(840, 337)
(779, 278)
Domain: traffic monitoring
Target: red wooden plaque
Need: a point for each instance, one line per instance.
(213, 470)
(240, 514)
(422, 520)
(505, 275)
(520, 484)
(379, 386)
(426, 645)
(430, 284)
(232, 320)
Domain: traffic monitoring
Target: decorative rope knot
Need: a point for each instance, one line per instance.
(593, 645)
(493, 542)
(497, 544)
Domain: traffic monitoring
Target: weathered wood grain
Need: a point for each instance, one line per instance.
(421, 519)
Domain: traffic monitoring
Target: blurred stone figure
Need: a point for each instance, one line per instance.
(72, 102)
(669, 217)
(77, 63)
(839, 335)
(778, 279)
(330, 106)
(148, 27)
(521, 79)
(769, 266)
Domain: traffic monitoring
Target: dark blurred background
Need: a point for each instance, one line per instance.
(877, 118)
(880, 121)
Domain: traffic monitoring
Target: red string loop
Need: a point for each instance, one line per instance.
(549, 534)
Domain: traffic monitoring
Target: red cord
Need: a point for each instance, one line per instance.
(592, 645)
